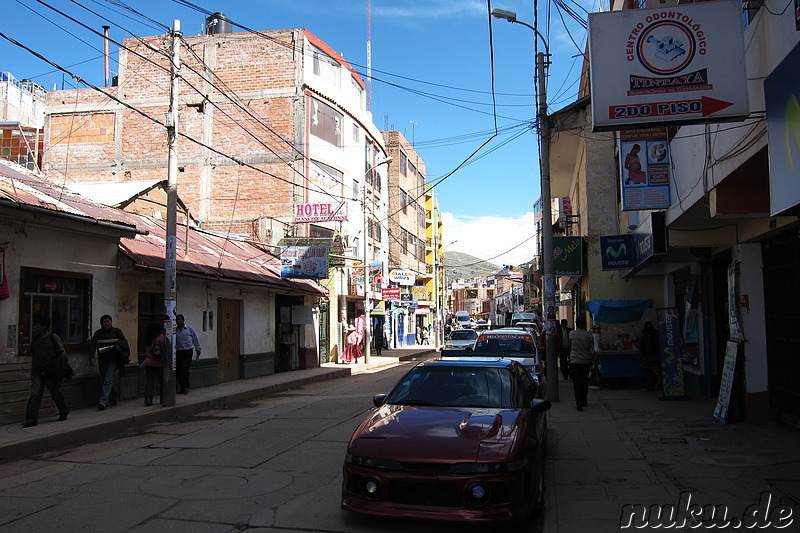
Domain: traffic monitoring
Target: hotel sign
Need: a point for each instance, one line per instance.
(320, 212)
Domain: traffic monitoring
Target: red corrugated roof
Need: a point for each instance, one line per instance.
(206, 255)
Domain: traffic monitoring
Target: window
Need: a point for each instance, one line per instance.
(377, 231)
(404, 242)
(356, 133)
(403, 163)
(403, 200)
(63, 297)
(325, 66)
(326, 122)
(355, 189)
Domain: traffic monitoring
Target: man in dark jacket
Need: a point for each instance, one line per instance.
(46, 347)
(108, 347)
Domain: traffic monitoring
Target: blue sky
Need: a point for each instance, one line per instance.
(433, 80)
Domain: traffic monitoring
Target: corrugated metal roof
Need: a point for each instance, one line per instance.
(211, 256)
(206, 255)
(22, 187)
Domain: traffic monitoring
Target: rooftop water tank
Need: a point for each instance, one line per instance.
(218, 23)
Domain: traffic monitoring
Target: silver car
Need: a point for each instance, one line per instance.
(460, 339)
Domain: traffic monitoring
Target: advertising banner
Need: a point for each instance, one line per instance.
(304, 262)
(782, 95)
(357, 273)
(682, 64)
(402, 277)
(617, 252)
(645, 163)
(671, 352)
(376, 273)
(568, 256)
(390, 293)
(420, 293)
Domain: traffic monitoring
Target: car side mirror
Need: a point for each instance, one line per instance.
(540, 406)
(378, 400)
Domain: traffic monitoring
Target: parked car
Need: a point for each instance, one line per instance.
(510, 343)
(533, 327)
(463, 319)
(524, 317)
(456, 441)
(460, 339)
(482, 324)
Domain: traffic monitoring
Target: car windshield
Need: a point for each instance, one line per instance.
(461, 386)
(463, 334)
(504, 344)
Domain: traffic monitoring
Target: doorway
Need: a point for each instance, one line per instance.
(229, 334)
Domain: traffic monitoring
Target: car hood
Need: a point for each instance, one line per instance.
(437, 434)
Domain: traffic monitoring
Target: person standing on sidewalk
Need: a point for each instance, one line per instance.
(45, 348)
(109, 346)
(186, 342)
(154, 362)
(564, 352)
(580, 361)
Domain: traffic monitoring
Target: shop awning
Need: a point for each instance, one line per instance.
(618, 311)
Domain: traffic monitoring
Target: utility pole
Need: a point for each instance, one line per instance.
(170, 283)
(548, 275)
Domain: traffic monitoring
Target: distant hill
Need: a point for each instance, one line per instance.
(461, 265)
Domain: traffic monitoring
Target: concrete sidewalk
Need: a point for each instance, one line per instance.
(89, 423)
(630, 448)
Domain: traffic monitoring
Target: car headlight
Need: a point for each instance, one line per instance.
(373, 462)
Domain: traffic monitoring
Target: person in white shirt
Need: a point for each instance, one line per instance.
(186, 342)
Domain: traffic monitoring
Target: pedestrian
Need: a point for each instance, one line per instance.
(419, 334)
(580, 361)
(155, 347)
(46, 349)
(564, 352)
(186, 342)
(110, 347)
(378, 330)
(649, 356)
(352, 350)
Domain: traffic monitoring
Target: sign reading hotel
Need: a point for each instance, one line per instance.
(320, 212)
(682, 64)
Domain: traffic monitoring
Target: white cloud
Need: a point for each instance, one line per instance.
(499, 240)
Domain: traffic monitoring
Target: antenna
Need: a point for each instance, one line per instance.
(369, 55)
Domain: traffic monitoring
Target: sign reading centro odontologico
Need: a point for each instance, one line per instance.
(679, 64)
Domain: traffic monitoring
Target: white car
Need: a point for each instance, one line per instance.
(461, 339)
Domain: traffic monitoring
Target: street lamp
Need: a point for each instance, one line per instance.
(548, 276)
(367, 288)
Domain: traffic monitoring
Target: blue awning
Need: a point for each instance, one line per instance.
(618, 311)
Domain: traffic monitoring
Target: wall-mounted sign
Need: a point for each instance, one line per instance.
(320, 212)
(306, 262)
(644, 168)
(420, 293)
(402, 277)
(677, 64)
(390, 293)
(782, 95)
(568, 256)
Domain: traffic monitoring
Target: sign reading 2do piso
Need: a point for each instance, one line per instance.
(679, 64)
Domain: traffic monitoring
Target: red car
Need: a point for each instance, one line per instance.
(455, 440)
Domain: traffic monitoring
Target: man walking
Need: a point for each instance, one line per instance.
(45, 348)
(185, 342)
(110, 347)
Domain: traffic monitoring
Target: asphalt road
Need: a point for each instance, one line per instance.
(270, 465)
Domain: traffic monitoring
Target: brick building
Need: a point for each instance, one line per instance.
(267, 121)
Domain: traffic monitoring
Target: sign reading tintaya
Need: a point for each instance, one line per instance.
(679, 64)
(319, 212)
